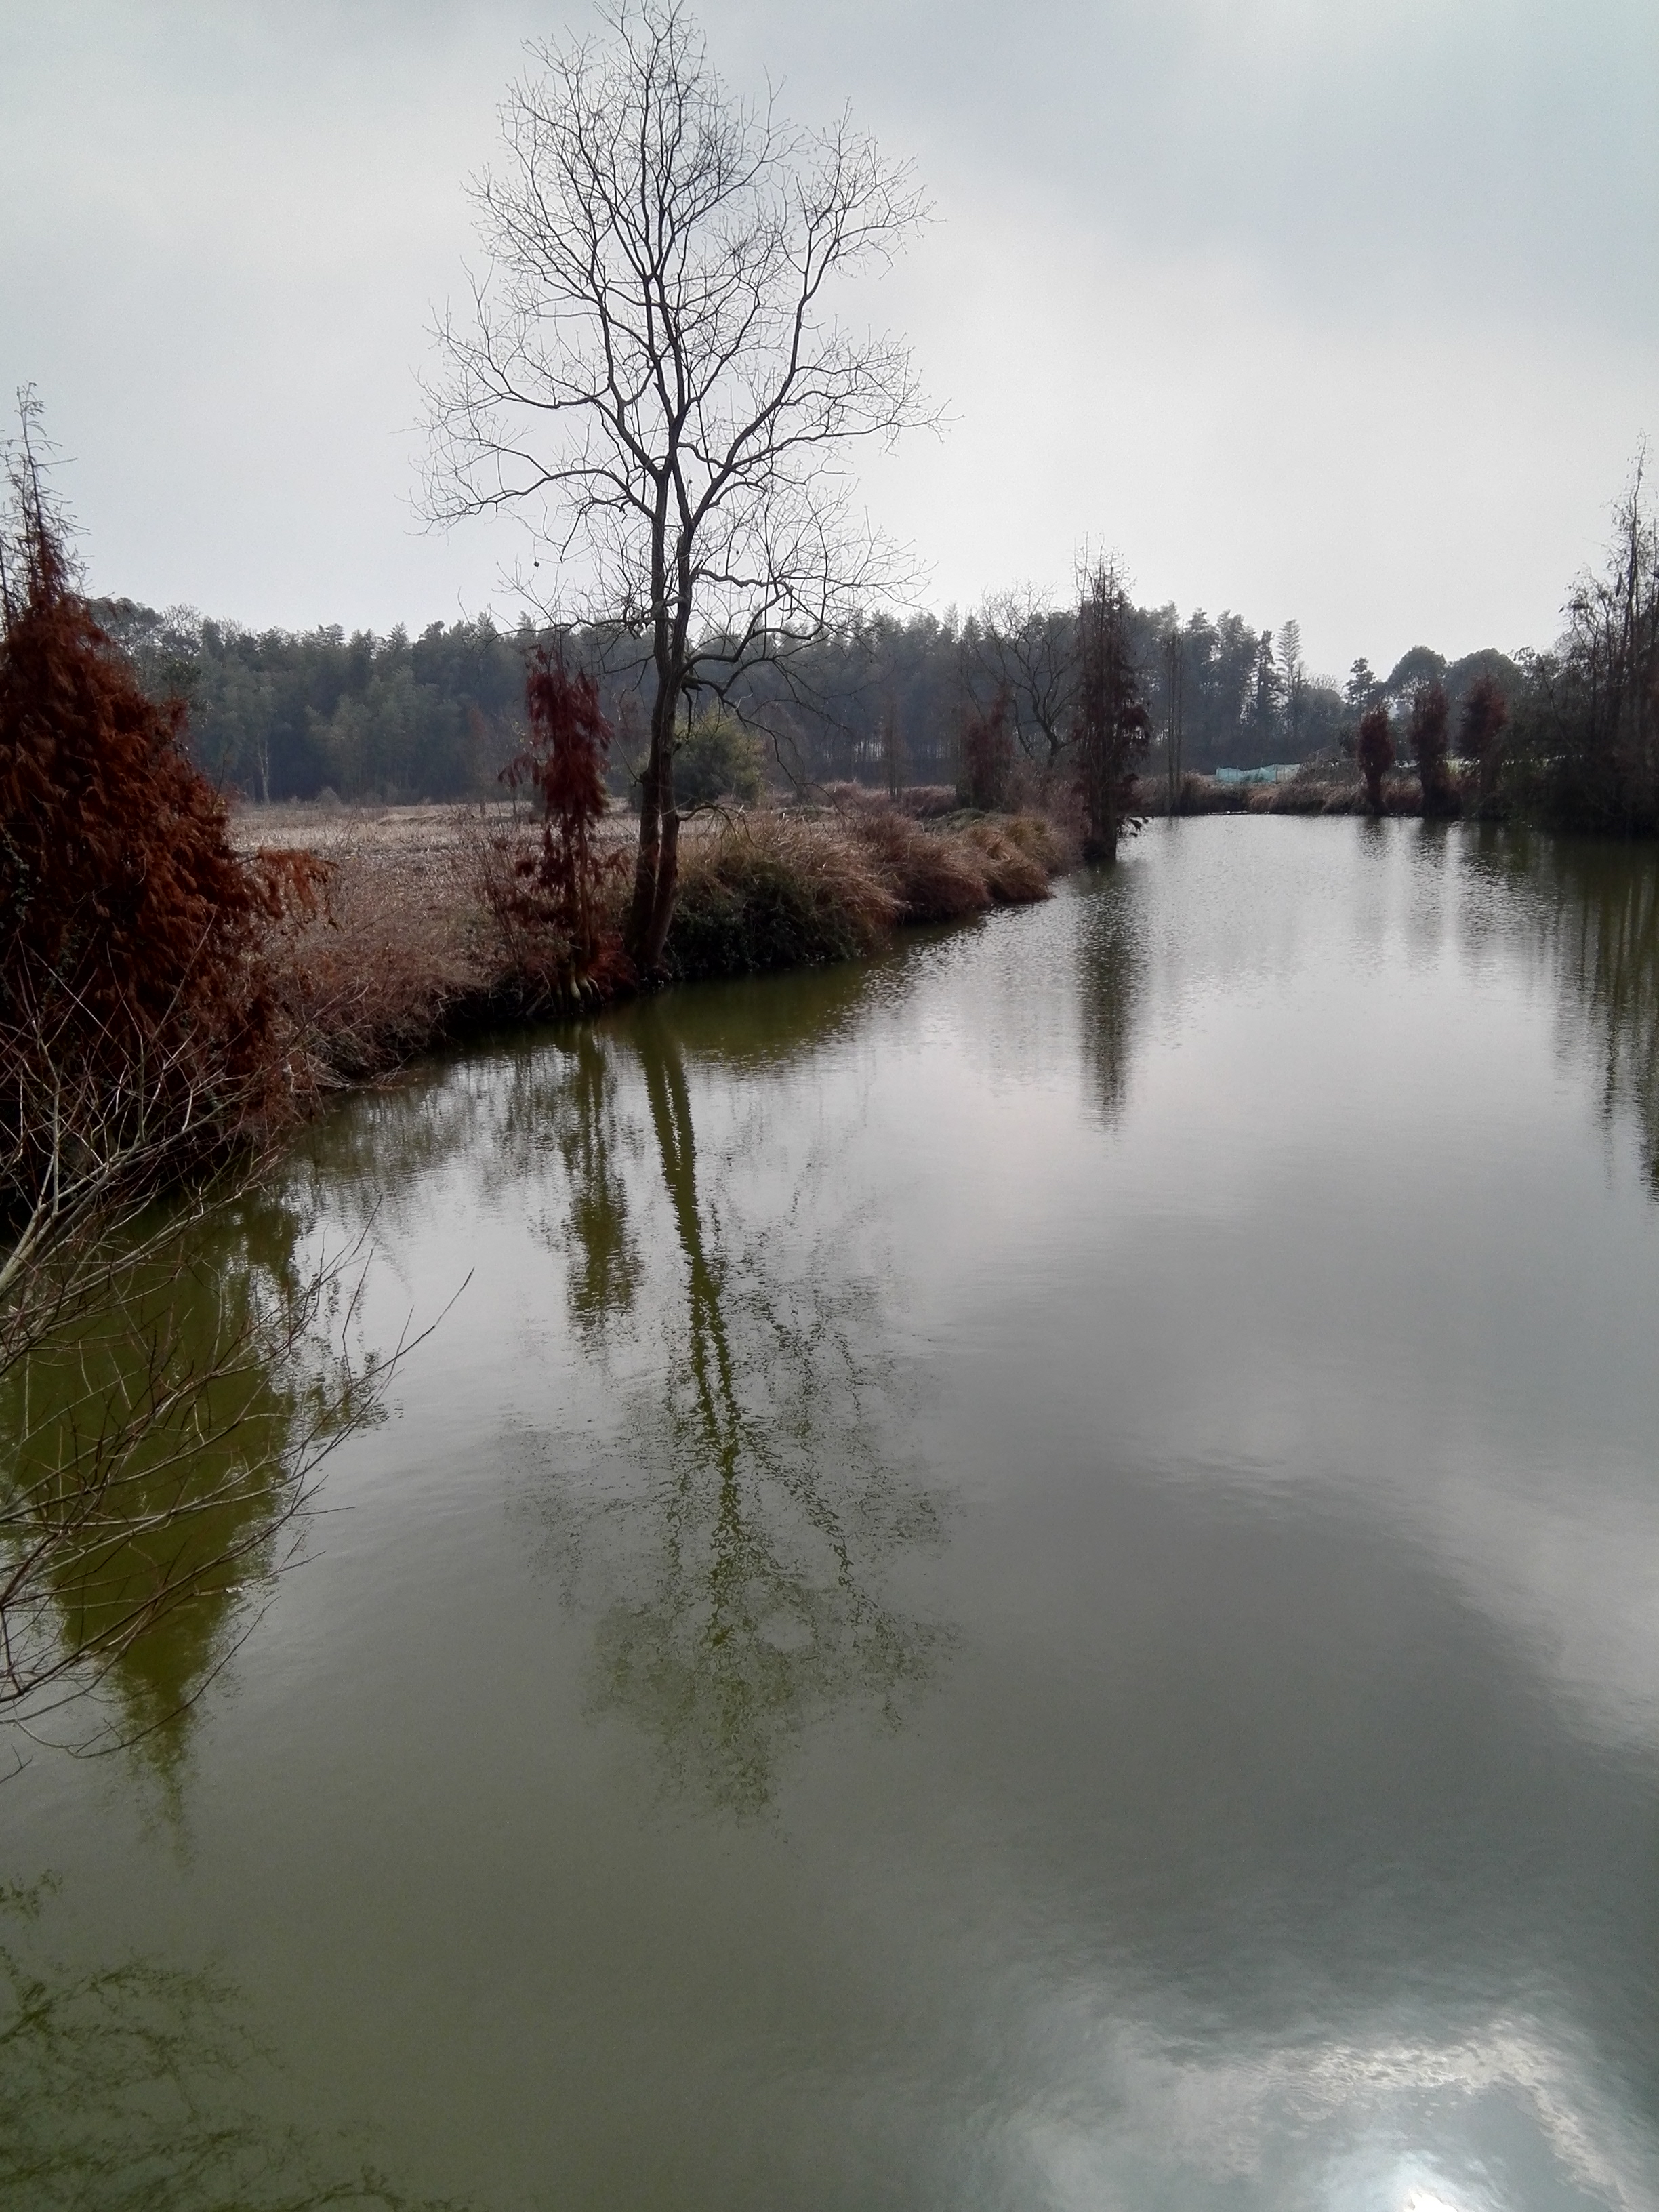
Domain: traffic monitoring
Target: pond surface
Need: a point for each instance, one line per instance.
(1027, 1575)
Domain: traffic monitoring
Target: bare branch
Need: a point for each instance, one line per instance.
(656, 374)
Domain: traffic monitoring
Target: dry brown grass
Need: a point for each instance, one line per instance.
(407, 949)
(926, 802)
(830, 861)
(941, 874)
(402, 944)
(1016, 874)
(1299, 795)
(765, 891)
(933, 875)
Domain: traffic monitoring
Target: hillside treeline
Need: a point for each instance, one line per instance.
(283, 714)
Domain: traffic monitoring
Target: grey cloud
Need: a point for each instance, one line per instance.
(1292, 276)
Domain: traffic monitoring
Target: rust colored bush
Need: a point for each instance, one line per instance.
(986, 742)
(135, 1011)
(550, 905)
(1427, 737)
(1375, 754)
(1481, 727)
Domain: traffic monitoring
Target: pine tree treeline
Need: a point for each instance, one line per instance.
(284, 714)
(1575, 739)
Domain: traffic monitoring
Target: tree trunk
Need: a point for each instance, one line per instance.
(668, 884)
(656, 869)
(642, 905)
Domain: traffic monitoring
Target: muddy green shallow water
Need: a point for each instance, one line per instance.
(1025, 1576)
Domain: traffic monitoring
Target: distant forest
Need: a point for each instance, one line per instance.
(279, 714)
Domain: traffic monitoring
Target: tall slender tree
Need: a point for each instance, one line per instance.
(1113, 727)
(1427, 733)
(655, 376)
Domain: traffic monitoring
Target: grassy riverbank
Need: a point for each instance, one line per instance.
(405, 950)
(1318, 791)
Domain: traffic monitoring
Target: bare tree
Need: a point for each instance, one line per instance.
(1612, 652)
(654, 373)
(1026, 648)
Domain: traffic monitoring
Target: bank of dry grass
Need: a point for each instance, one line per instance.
(1303, 794)
(775, 890)
(405, 952)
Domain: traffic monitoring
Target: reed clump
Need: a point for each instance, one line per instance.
(932, 875)
(762, 891)
(771, 890)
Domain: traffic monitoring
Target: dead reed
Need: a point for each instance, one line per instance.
(402, 946)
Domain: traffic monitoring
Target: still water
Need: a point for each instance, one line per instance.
(1025, 1576)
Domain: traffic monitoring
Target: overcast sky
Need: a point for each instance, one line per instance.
(1340, 309)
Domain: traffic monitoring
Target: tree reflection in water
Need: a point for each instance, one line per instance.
(1608, 951)
(158, 1443)
(744, 1558)
(126, 2088)
(1110, 965)
(1596, 906)
(606, 1268)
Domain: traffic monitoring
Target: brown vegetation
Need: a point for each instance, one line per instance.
(134, 1001)
(1114, 731)
(406, 950)
(413, 948)
(1426, 735)
(772, 889)
(1482, 727)
(1375, 753)
(549, 905)
(986, 746)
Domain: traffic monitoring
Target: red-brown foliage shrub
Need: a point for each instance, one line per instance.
(1375, 754)
(549, 904)
(130, 930)
(987, 753)
(1427, 735)
(1480, 733)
